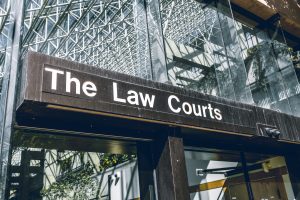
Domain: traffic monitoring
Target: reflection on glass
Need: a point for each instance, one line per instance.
(202, 49)
(270, 70)
(215, 175)
(69, 172)
(269, 177)
(209, 52)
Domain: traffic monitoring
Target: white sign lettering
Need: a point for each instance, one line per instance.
(191, 108)
(126, 94)
(54, 73)
(133, 97)
(88, 87)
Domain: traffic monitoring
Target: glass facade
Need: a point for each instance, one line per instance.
(193, 44)
(271, 73)
(108, 34)
(209, 52)
(205, 49)
(202, 50)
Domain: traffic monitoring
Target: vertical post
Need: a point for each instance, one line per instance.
(24, 175)
(109, 186)
(145, 166)
(293, 166)
(9, 94)
(171, 174)
(246, 176)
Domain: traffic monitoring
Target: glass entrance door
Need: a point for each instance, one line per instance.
(227, 175)
(269, 177)
(61, 167)
(215, 175)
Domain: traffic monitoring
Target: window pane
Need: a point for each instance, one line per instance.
(215, 175)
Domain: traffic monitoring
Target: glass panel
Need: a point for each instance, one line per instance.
(56, 167)
(234, 53)
(209, 52)
(8, 20)
(215, 175)
(159, 70)
(202, 49)
(107, 34)
(269, 177)
(6, 34)
(5, 40)
(271, 72)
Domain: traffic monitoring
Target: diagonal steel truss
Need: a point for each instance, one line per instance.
(110, 34)
(6, 26)
(5, 21)
(193, 33)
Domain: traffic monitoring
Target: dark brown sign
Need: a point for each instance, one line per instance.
(80, 89)
(57, 82)
(93, 90)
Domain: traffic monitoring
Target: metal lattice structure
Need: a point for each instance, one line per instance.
(192, 22)
(5, 22)
(195, 49)
(107, 34)
(208, 52)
